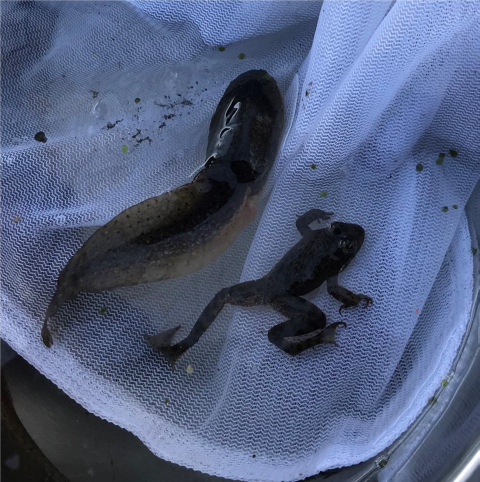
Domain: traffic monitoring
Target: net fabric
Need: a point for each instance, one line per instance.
(371, 88)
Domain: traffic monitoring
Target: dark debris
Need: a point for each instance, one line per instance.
(139, 141)
(111, 125)
(40, 137)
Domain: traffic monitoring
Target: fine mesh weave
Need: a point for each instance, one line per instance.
(374, 91)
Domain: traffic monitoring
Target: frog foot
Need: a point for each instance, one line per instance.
(328, 334)
(355, 302)
(317, 215)
(324, 215)
(161, 342)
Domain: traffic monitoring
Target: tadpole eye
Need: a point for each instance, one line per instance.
(336, 231)
(351, 247)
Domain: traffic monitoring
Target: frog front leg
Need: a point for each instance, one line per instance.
(303, 222)
(305, 318)
(347, 297)
(249, 293)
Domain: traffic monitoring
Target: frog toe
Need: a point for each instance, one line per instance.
(368, 301)
(353, 302)
(324, 215)
(346, 305)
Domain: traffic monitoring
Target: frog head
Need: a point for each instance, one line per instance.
(348, 237)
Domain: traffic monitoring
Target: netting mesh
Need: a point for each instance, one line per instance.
(372, 91)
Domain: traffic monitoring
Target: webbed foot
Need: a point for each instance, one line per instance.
(303, 222)
(328, 334)
(324, 215)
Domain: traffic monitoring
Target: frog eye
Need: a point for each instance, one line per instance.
(336, 231)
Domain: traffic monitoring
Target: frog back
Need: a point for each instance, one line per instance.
(309, 263)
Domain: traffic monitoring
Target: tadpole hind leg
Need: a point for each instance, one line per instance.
(162, 342)
(305, 318)
(243, 294)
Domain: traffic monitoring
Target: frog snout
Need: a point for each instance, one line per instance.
(352, 239)
(358, 234)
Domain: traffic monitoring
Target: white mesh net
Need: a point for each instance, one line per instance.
(380, 88)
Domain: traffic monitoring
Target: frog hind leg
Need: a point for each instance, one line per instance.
(345, 296)
(242, 294)
(304, 318)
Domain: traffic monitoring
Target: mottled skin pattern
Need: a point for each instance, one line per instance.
(181, 231)
(318, 257)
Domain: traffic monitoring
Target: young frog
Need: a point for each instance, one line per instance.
(181, 231)
(319, 256)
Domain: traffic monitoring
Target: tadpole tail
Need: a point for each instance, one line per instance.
(62, 295)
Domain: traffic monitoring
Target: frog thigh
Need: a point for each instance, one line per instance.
(305, 318)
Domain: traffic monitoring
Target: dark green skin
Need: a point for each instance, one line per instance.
(181, 231)
(318, 257)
